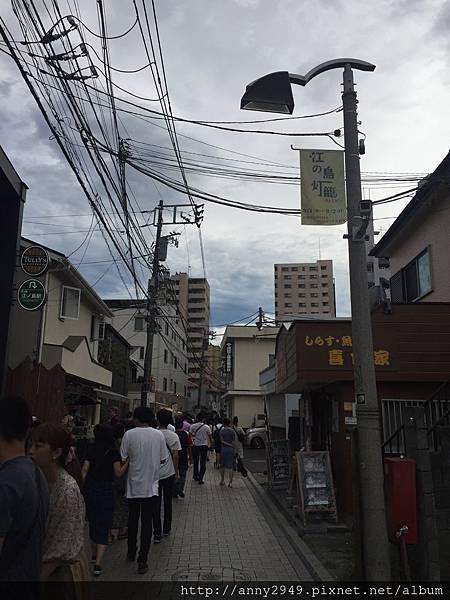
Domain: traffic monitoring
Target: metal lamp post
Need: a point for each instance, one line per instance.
(273, 93)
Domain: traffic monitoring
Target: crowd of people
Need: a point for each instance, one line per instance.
(129, 476)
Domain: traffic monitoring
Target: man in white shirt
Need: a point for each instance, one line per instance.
(146, 450)
(201, 438)
(167, 476)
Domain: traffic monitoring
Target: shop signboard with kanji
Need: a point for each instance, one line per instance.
(31, 294)
(322, 187)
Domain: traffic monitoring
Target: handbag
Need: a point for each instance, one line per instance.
(240, 467)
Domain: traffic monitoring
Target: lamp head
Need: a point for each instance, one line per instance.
(271, 93)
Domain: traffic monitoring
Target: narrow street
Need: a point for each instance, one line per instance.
(219, 534)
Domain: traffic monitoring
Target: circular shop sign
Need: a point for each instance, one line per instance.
(34, 260)
(31, 294)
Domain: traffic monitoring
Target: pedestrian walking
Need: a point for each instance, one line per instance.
(63, 549)
(240, 435)
(119, 529)
(201, 439)
(167, 477)
(183, 458)
(146, 450)
(24, 497)
(228, 461)
(101, 466)
(217, 443)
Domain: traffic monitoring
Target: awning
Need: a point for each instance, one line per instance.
(112, 395)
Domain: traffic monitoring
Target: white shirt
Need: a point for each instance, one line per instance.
(146, 449)
(173, 442)
(200, 434)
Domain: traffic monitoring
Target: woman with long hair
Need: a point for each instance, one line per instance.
(101, 466)
(63, 556)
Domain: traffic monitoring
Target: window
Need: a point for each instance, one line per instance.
(324, 276)
(165, 356)
(288, 295)
(325, 304)
(285, 268)
(287, 286)
(313, 268)
(294, 269)
(324, 294)
(314, 304)
(70, 303)
(141, 352)
(164, 385)
(302, 295)
(413, 281)
(302, 276)
(302, 304)
(324, 284)
(323, 267)
(314, 295)
(288, 277)
(287, 304)
(314, 276)
(301, 285)
(139, 323)
(276, 285)
(314, 285)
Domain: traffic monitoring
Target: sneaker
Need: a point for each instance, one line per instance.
(166, 534)
(97, 570)
(181, 494)
(201, 482)
(195, 478)
(157, 539)
(131, 557)
(142, 568)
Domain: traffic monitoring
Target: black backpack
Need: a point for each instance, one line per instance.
(216, 435)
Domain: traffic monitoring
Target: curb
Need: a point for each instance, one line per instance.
(309, 559)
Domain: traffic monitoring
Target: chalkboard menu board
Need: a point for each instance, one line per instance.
(278, 462)
(315, 484)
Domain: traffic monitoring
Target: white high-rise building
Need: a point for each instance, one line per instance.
(304, 289)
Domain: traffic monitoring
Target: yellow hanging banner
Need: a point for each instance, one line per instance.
(322, 187)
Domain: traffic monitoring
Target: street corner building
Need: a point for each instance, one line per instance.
(59, 356)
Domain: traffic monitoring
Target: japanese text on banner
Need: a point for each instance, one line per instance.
(322, 187)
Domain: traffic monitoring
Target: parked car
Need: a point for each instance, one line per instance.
(256, 437)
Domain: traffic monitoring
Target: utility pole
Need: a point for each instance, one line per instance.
(375, 546)
(152, 294)
(177, 217)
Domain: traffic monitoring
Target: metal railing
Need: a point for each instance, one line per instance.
(437, 414)
(396, 444)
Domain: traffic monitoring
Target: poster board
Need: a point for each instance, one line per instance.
(315, 485)
(278, 462)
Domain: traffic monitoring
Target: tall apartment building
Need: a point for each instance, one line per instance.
(304, 289)
(193, 302)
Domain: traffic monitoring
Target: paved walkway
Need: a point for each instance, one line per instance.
(218, 534)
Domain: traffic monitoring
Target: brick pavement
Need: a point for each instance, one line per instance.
(218, 534)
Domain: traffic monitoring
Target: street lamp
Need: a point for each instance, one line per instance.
(273, 93)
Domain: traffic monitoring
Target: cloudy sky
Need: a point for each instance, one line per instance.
(211, 51)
